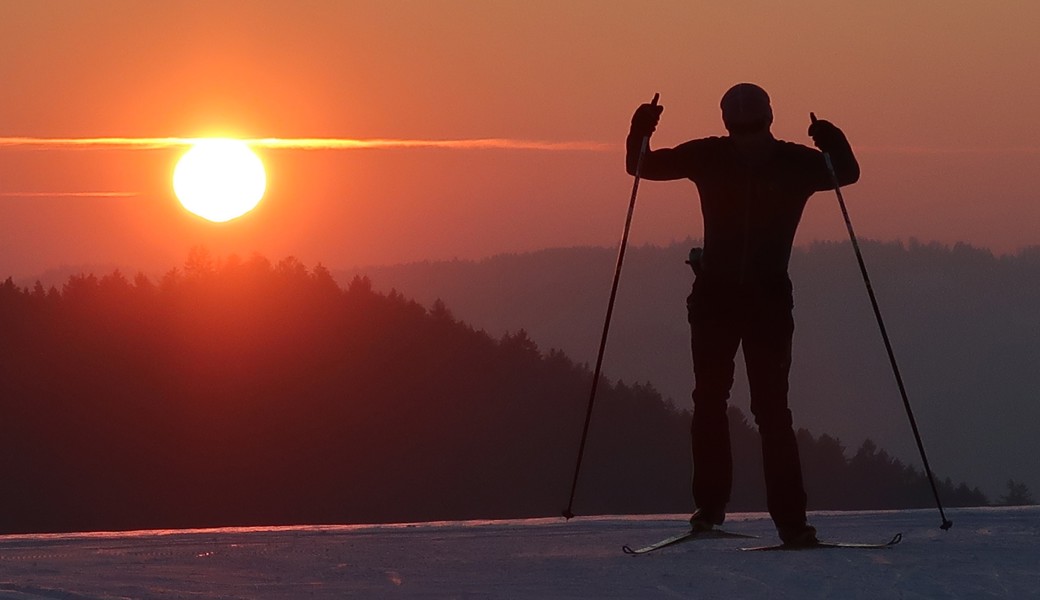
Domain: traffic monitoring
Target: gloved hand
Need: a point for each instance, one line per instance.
(825, 134)
(645, 119)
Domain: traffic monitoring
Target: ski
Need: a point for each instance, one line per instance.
(712, 534)
(895, 540)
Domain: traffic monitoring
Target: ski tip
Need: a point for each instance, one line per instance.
(627, 549)
(896, 539)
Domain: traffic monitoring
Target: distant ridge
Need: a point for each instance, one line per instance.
(964, 324)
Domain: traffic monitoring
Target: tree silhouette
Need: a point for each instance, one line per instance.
(237, 391)
(1018, 494)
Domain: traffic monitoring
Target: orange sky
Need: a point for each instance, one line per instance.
(939, 99)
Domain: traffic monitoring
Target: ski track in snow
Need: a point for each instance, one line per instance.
(989, 553)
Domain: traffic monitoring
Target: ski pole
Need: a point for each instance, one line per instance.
(567, 512)
(946, 523)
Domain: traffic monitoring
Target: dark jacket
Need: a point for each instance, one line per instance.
(751, 206)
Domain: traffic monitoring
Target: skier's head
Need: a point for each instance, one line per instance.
(745, 109)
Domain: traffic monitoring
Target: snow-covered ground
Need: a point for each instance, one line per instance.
(989, 553)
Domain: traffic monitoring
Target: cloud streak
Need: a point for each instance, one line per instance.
(153, 143)
(946, 150)
(335, 144)
(60, 194)
(326, 143)
(94, 143)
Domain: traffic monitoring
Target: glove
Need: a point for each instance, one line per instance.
(826, 136)
(696, 260)
(645, 119)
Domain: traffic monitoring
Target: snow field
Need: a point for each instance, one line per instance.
(989, 553)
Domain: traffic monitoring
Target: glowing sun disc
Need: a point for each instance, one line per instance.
(219, 179)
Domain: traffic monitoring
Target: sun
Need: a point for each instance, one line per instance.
(219, 179)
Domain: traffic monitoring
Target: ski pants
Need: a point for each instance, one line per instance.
(724, 317)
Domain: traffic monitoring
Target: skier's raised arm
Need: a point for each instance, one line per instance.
(831, 140)
(659, 165)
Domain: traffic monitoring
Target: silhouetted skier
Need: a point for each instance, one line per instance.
(753, 189)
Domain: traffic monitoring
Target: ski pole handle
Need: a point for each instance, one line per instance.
(827, 159)
(643, 147)
(646, 138)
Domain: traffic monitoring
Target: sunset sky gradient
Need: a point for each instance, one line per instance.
(402, 131)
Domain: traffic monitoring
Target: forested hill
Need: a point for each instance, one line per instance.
(244, 392)
(964, 323)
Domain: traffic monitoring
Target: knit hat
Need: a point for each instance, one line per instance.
(745, 108)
